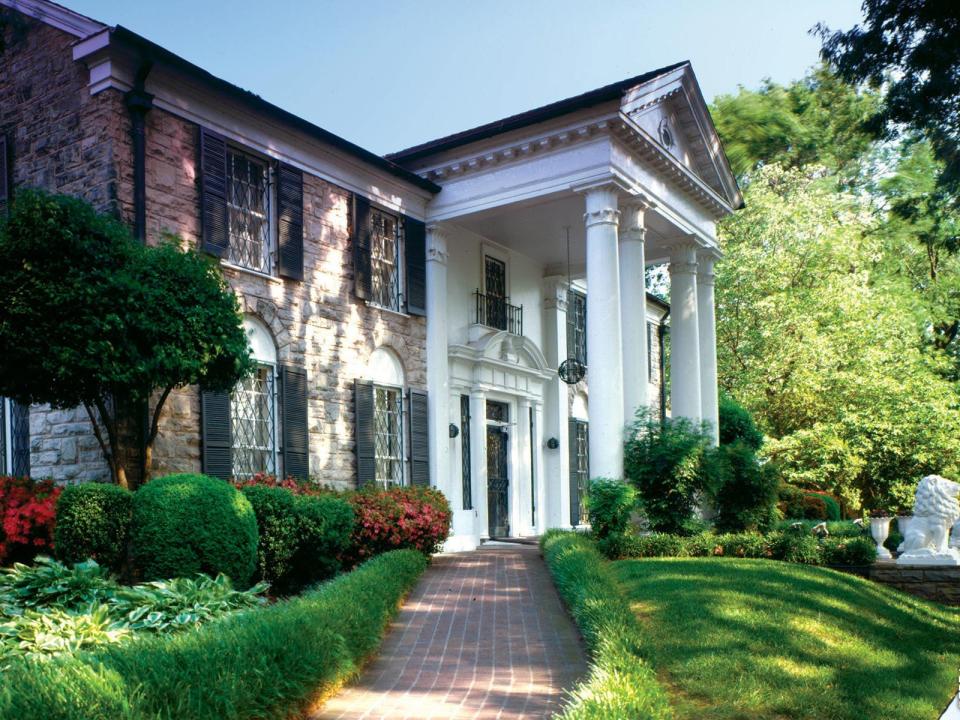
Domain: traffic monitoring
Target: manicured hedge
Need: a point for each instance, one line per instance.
(265, 663)
(93, 521)
(620, 684)
(187, 524)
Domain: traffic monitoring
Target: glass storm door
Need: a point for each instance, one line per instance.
(497, 480)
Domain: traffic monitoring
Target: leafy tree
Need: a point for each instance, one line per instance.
(93, 318)
(825, 346)
(912, 48)
(819, 119)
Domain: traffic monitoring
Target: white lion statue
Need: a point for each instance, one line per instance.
(935, 510)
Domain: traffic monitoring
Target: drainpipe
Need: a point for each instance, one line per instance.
(661, 331)
(139, 102)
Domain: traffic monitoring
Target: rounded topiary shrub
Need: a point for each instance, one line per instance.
(188, 524)
(93, 521)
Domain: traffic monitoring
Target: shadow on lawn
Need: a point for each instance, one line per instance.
(756, 638)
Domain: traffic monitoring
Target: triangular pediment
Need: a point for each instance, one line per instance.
(671, 112)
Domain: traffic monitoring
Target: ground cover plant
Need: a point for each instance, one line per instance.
(52, 609)
(620, 684)
(266, 663)
(759, 639)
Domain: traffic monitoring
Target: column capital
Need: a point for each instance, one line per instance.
(633, 226)
(555, 289)
(437, 244)
(705, 273)
(601, 201)
(683, 259)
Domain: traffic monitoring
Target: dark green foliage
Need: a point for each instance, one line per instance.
(736, 423)
(656, 545)
(620, 684)
(93, 521)
(324, 528)
(663, 461)
(142, 320)
(611, 502)
(186, 524)
(277, 532)
(831, 505)
(747, 498)
(795, 545)
(848, 551)
(265, 663)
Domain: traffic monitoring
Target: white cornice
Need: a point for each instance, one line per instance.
(56, 16)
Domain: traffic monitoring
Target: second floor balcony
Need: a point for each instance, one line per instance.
(496, 312)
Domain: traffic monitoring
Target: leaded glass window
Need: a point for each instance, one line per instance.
(248, 211)
(388, 435)
(253, 409)
(385, 259)
(577, 306)
(465, 452)
(5, 437)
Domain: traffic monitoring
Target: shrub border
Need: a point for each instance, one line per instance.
(222, 670)
(620, 683)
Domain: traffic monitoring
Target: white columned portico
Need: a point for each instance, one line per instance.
(553, 481)
(685, 386)
(604, 339)
(438, 372)
(708, 344)
(633, 291)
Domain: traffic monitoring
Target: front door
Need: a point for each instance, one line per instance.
(497, 480)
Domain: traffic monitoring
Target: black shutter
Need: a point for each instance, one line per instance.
(4, 175)
(419, 438)
(574, 473)
(415, 237)
(363, 425)
(296, 438)
(362, 273)
(216, 434)
(215, 236)
(20, 432)
(290, 222)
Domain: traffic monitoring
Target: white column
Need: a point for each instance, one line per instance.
(684, 334)
(478, 460)
(554, 509)
(633, 292)
(708, 344)
(604, 341)
(438, 382)
(539, 473)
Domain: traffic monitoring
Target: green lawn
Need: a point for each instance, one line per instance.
(764, 639)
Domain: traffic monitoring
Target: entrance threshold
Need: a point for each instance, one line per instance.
(535, 540)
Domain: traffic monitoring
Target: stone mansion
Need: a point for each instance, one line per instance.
(419, 318)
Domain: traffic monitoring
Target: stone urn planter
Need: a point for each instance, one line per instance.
(880, 530)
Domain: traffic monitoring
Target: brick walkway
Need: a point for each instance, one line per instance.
(483, 635)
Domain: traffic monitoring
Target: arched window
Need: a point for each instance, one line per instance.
(386, 373)
(253, 407)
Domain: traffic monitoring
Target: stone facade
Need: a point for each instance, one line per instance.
(68, 141)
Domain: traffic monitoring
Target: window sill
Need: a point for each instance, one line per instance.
(247, 271)
(383, 308)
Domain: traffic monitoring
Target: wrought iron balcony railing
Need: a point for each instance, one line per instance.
(497, 312)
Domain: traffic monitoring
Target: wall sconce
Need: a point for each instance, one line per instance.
(454, 431)
(553, 443)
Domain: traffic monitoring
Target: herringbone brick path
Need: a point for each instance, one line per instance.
(483, 635)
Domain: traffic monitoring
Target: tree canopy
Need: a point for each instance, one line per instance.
(92, 317)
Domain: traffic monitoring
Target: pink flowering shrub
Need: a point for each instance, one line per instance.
(400, 517)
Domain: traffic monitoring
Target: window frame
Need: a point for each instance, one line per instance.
(578, 298)
(275, 400)
(466, 454)
(399, 261)
(270, 193)
(6, 442)
(399, 435)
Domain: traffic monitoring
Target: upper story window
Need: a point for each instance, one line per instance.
(577, 326)
(249, 211)
(385, 250)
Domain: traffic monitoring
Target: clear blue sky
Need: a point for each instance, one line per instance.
(390, 74)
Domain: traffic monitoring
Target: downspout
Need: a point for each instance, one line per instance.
(661, 331)
(139, 102)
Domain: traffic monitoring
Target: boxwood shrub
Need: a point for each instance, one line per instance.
(325, 525)
(187, 524)
(277, 533)
(264, 663)
(93, 521)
